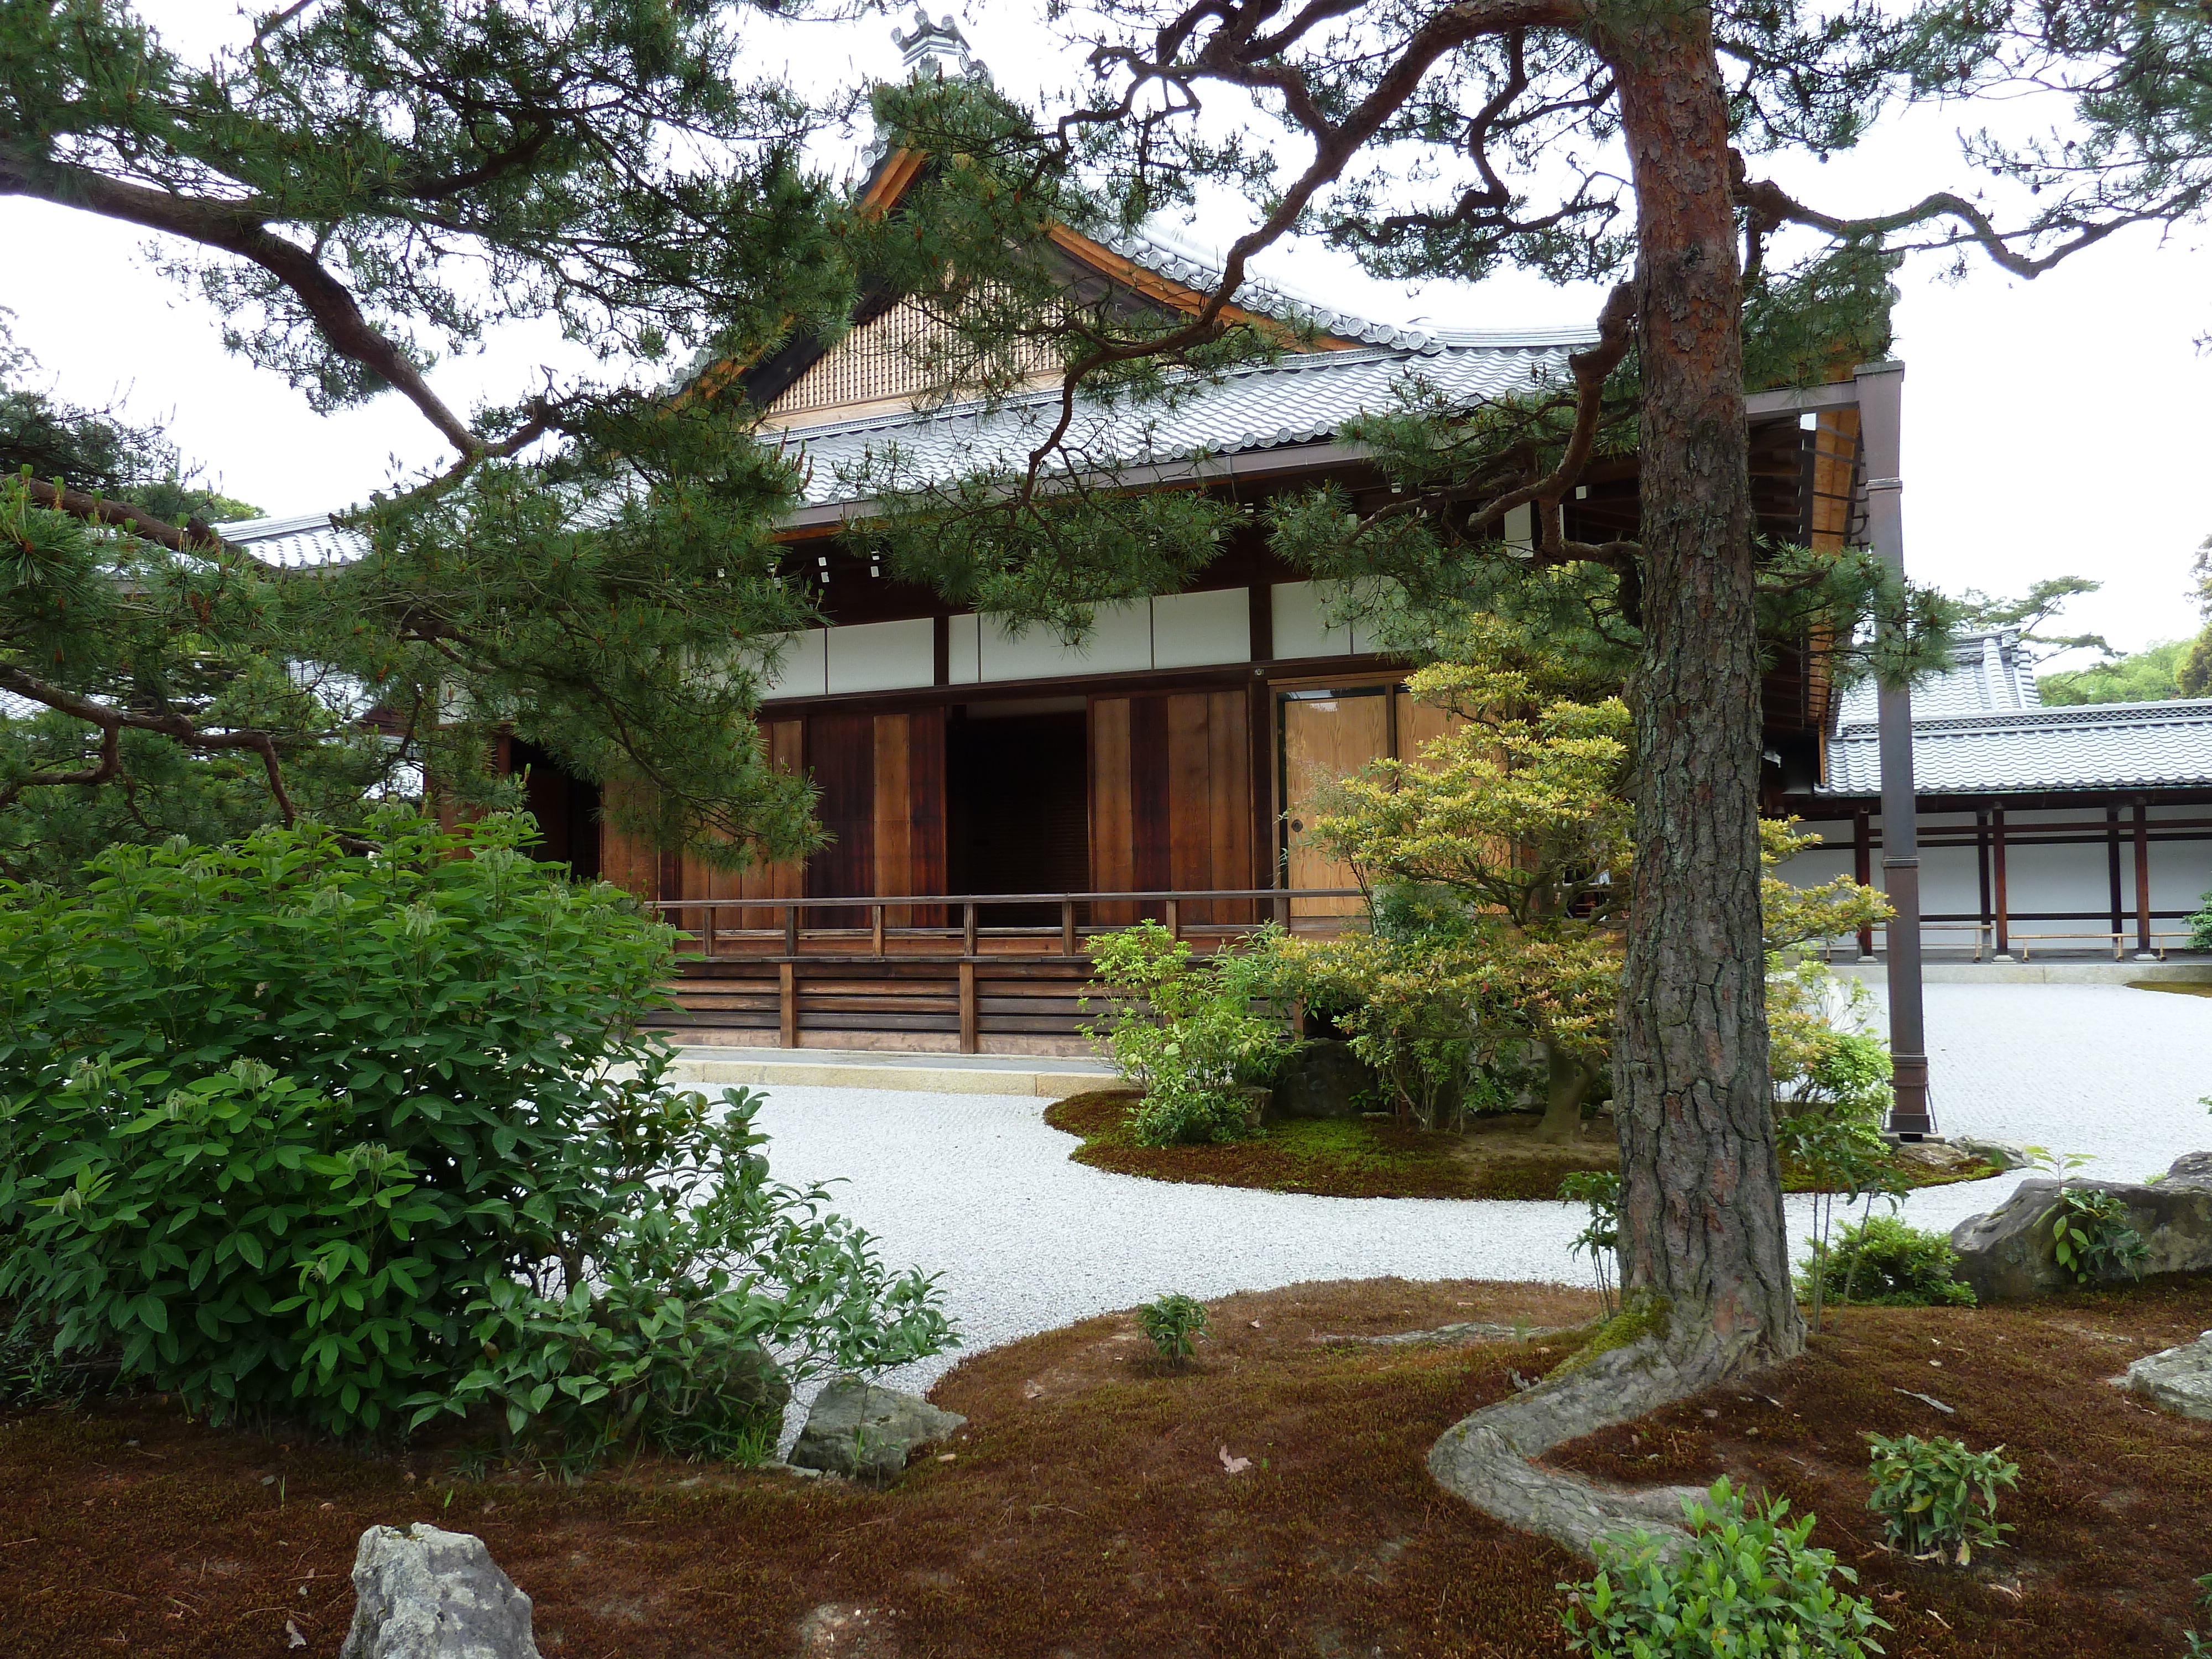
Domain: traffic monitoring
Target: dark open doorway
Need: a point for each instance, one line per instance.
(1018, 803)
(566, 810)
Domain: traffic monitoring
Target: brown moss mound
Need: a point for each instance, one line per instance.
(1498, 1157)
(1086, 1510)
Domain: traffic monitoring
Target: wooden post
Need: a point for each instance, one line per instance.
(876, 924)
(968, 933)
(1862, 871)
(967, 1021)
(712, 919)
(2142, 882)
(1175, 918)
(2112, 860)
(1067, 927)
(791, 930)
(787, 990)
(1982, 872)
(1997, 870)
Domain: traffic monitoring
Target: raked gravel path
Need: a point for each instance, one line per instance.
(977, 1188)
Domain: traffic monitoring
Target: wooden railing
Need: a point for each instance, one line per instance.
(927, 971)
(710, 937)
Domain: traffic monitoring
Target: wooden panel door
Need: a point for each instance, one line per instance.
(1327, 735)
(1171, 801)
(1113, 810)
(909, 827)
(840, 757)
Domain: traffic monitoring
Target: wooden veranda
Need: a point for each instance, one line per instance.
(958, 973)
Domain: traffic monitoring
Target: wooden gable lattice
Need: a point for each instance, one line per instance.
(894, 360)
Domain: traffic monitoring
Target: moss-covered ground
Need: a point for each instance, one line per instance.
(1498, 1157)
(1087, 1508)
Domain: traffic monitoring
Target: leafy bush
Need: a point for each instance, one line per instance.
(1891, 1264)
(1600, 1238)
(1407, 1003)
(1174, 1323)
(2091, 1238)
(372, 1138)
(1747, 1584)
(1184, 1030)
(1824, 1054)
(1938, 1498)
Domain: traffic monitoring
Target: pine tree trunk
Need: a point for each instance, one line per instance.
(1703, 1255)
(1702, 1222)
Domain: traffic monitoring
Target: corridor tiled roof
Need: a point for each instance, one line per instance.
(1981, 729)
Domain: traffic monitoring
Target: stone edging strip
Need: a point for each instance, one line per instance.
(847, 1074)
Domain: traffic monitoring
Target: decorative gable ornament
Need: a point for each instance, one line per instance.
(938, 49)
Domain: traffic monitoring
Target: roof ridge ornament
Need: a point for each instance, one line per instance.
(939, 48)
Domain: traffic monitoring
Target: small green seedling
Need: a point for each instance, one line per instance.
(2200, 1646)
(1939, 1499)
(1174, 1323)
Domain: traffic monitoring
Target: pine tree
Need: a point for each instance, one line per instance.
(1615, 139)
(359, 188)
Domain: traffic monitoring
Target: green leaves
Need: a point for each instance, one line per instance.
(1939, 1499)
(1747, 1587)
(1185, 1031)
(308, 1166)
(1174, 1324)
(2091, 1236)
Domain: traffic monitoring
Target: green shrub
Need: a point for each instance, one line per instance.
(367, 1138)
(2090, 1236)
(1937, 1498)
(1600, 1238)
(1174, 1323)
(1746, 1584)
(1888, 1263)
(1184, 1029)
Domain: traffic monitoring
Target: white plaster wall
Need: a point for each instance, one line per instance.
(890, 656)
(2076, 876)
(964, 654)
(1191, 630)
(1300, 630)
(1120, 639)
(804, 669)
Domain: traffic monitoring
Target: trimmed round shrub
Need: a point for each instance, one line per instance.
(1889, 1263)
(372, 1136)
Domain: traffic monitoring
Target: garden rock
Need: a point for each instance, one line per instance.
(430, 1594)
(1324, 1078)
(2179, 1379)
(2005, 1154)
(2006, 1255)
(868, 1433)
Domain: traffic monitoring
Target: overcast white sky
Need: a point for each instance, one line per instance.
(2052, 427)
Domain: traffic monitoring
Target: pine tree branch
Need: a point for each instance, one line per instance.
(238, 228)
(1775, 206)
(113, 722)
(1234, 58)
(195, 536)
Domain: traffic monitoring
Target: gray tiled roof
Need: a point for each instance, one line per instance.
(296, 542)
(1304, 398)
(1981, 729)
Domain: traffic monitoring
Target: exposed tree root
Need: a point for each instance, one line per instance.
(1488, 1457)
